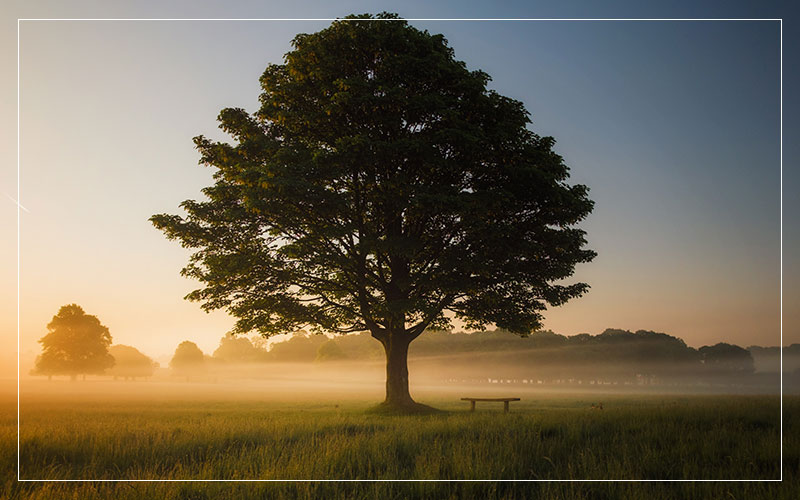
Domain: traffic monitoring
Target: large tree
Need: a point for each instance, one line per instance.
(381, 185)
(77, 344)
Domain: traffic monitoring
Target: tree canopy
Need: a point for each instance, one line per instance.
(77, 344)
(381, 185)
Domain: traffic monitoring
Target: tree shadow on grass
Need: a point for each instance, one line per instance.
(412, 408)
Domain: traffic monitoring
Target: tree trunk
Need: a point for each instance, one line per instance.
(397, 394)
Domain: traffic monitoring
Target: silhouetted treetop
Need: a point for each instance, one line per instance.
(727, 358)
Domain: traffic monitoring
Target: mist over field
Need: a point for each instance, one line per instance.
(441, 364)
(304, 407)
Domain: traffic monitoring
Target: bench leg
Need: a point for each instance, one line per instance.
(472, 406)
(505, 406)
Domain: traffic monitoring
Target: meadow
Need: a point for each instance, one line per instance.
(178, 435)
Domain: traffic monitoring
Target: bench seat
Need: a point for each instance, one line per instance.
(505, 401)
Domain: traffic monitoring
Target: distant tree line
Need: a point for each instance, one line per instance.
(77, 344)
(613, 353)
(768, 359)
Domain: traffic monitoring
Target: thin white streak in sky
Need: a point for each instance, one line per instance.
(15, 202)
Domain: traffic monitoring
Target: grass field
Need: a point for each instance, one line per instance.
(547, 437)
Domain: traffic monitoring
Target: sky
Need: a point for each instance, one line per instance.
(674, 126)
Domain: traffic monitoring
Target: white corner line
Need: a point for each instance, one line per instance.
(19, 207)
(781, 239)
(18, 255)
(331, 19)
(400, 480)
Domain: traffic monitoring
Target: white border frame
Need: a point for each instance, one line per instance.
(19, 207)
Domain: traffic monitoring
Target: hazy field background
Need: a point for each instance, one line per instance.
(168, 429)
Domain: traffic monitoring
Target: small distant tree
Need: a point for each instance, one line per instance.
(77, 344)
(330, 351)
(188, 359)
(727, 358)
(300, 347)
(131, 363)
(239, 350)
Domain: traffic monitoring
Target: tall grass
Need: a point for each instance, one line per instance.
(646, 437)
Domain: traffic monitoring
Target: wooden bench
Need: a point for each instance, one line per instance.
(504, 400)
